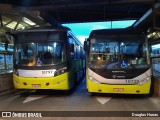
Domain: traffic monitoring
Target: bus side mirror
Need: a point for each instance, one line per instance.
(72, 48)
(85, 44)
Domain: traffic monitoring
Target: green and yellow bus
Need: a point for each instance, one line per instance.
(118, 62)
(47, 58)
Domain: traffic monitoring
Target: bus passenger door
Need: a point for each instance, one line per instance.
(71, 65)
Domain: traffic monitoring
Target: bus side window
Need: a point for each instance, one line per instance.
(81, 53)
(78, 51)
(75, 51)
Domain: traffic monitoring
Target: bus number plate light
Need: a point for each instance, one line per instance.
(36, 85)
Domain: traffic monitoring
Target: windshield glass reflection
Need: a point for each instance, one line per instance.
(40, 54)
(117, 54)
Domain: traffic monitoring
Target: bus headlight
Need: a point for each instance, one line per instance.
(94, 80)
(16, 72)
(144, 81)
(61, 71)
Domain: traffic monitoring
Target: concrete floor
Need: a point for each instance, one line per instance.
(78, 100)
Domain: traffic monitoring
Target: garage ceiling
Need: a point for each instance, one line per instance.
(58, 12)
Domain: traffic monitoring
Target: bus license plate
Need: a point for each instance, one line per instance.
(118, 89)
(36, 85)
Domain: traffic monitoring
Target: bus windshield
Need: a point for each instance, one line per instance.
(39, 54)
(113, 54)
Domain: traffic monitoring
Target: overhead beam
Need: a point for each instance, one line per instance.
(49, 18)
(72, 17)
(44, 2)
(34, 19)
(1, 20)
(147, 20)
(75, 4)
(18, 22)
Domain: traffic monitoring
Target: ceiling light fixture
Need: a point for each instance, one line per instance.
(26, 20)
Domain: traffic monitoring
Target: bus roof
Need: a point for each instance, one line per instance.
(112, 32)
(45, 28)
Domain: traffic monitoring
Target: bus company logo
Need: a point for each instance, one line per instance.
(113, 76)
(6, 114)
(118, 71)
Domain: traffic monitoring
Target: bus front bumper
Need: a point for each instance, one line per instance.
(120, 89)
(58, 83)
